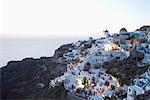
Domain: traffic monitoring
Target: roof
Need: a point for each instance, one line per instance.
(123, 30)
(144, 28)
(106, 31)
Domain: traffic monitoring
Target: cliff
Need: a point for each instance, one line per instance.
(126, 70)
(29, 78)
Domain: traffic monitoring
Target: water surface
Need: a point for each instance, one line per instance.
(18, 49)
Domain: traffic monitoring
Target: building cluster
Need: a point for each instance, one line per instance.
(141, 86)
(85, 75)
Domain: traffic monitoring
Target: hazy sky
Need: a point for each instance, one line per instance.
(70, 18)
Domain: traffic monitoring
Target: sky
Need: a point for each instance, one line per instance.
(70, 18)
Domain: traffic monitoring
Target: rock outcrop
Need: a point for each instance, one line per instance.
(126, 70)
(29, 78)
(63, 49)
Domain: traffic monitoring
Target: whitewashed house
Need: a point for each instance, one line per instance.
(141, 86)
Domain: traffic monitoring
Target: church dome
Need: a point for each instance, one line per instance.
(123, 30)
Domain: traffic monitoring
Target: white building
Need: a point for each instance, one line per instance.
(141, 86)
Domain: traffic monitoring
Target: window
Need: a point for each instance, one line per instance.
(129, 90)
(135, 92)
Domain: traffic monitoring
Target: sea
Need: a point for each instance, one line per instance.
(18, 49)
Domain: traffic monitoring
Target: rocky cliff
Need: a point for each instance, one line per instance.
(29, 78)
(126, 70)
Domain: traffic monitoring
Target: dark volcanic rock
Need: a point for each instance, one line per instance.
(126, 70)
(29, 78)
(63, 49)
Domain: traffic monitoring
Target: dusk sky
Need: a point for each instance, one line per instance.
(70, 18)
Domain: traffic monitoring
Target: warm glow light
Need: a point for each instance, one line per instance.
(108, 47)
(80, 85)
(115, 79)
(118, 85)
(102, 94)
